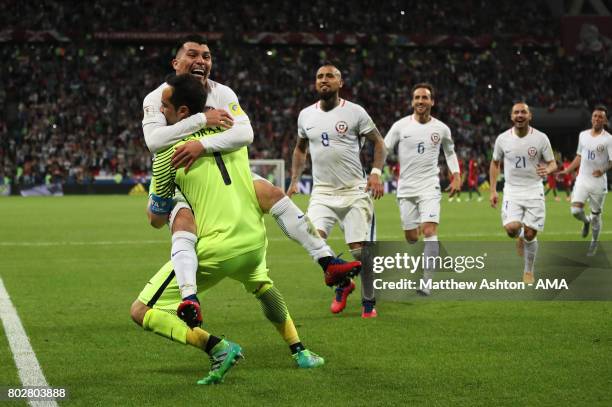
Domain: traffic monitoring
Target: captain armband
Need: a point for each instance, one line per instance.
(159, 205)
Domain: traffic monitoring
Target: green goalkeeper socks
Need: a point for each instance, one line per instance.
(166, 325)
(274, 308)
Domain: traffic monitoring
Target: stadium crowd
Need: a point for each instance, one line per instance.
(72, 111)
(393, 16)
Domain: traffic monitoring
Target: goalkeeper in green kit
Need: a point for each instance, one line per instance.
(231, 239)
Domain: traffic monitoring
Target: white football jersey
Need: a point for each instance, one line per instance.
(335, 139)
(418, 148)
(595, 154)
(521, 156)
(219, 97)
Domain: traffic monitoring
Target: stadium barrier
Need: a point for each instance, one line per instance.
(136, 188)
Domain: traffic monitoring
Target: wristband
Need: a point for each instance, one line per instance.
(376, 171)
(159, 205)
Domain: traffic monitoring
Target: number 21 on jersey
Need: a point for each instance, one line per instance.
(520, 162)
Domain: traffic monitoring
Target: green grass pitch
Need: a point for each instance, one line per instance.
(73, 266)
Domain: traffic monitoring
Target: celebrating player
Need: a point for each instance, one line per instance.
(232, 241)
(523, 149)
(333, 128)
(594, 157)
(223, 112)
(418, 138)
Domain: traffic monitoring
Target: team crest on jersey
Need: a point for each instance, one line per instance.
(600, 148)
(341, 127)
(532, 152)
(435, 138)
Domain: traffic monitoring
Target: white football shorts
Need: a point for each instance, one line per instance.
(595, 196)
(529, 212)
(354, 213)
(417, 210)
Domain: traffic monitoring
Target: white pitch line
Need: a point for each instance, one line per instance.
(28, 367)
(273, 239)
(84, 243)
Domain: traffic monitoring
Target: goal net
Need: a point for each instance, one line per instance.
(272, 170)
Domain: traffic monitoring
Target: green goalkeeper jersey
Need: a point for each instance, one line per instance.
(219, 189)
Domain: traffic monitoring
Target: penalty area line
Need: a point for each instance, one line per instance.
(28, 368)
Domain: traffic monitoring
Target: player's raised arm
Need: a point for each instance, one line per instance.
(158, 135)
(239, 134)
(380, 154)
(298, 163)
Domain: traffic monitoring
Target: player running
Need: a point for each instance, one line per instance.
(594, 157)
(418, 138)
(523, 149)
(232, 239)
(334, 129)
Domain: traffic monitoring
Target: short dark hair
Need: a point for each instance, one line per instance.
(189, 91)
(517, 102)
(197, 38)
(601, 108)
(425, 85)
(329, 63)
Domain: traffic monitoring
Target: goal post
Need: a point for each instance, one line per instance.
(272, 170)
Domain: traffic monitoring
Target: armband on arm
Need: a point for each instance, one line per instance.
(159, 205)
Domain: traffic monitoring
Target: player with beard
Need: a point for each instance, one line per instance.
(418, 138)
(232, 241)
(528, 157)
(224, 116)
(334, 129)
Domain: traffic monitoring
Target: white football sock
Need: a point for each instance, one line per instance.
(299, 228)
(185, 262)
(432, 249)
(531, 249)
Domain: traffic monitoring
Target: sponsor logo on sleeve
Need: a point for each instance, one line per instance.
(235, 109)
(149, 111)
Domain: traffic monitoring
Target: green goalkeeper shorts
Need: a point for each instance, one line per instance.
(250, 269)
